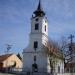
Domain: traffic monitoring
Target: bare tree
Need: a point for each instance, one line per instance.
(52, 49)
(67, 47)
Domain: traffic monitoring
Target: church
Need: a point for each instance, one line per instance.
(35, 58)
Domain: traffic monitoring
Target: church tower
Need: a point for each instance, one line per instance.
(34, 58)
(39, 26)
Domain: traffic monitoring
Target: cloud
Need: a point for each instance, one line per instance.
(15, 19)
(62, 9)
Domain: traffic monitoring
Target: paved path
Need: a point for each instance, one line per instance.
(6, 74)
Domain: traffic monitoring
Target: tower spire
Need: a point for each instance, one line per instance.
(39, 5)
(39, 11)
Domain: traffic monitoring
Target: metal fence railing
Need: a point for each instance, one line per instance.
(69, 70)
(20, 71)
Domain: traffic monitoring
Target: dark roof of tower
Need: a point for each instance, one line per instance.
(39, 11)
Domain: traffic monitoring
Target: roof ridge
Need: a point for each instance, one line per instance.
(4, 57)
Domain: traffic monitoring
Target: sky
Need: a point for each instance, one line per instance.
(15, 21)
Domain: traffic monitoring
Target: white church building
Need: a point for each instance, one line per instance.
(35, 59)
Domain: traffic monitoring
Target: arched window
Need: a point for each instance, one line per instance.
(58, 69)
(36, 26)
(45, 28)
(35, 44)
(34, 58)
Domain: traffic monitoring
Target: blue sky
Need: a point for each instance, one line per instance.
(15, 21)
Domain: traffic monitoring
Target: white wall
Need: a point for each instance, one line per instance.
(67, 74)
(41, 61)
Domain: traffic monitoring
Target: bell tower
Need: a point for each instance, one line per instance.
(39, 26)
(34, 59)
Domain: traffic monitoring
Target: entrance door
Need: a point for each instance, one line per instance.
(34, 67)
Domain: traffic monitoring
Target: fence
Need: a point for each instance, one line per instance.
(66, 74)
(19, 71)
(70, 70)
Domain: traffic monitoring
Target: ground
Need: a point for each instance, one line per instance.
(6, 74)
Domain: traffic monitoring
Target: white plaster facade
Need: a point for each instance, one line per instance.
(41, 36)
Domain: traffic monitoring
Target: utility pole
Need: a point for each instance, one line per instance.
(71, 45)
(71, 51)
(71, 38)
(8, 47)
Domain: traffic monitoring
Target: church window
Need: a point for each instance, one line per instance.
(37, 19)
(35, 44)
(34, 58)
(36, 26)
(74, 69)
(45, 21)
(58, 69)
(45, 28)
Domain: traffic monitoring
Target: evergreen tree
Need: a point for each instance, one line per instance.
(19, 56)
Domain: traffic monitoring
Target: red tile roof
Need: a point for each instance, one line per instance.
(4, 57)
